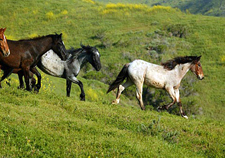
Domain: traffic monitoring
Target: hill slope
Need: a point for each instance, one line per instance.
(205, 7)
(49, 124)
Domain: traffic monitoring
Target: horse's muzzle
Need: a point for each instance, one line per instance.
(201, 77)
(6, 53)
(98, 66)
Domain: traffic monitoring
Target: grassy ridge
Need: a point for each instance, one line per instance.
(205, 7)
(49, 124)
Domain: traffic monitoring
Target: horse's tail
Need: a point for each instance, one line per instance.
(119, 79)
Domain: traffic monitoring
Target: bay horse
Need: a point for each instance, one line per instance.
(166, 76)
(25, 55)
(52, 65)
(4, 48)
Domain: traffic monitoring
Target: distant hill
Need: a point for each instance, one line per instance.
(205, 7)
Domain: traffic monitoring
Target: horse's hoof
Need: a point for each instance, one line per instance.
(185, 117)
(116, 101)
(82, 99)
(28, 89)
(159, 109)
(36, 89)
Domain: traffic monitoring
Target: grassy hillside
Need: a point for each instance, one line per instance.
(49, 124)
(205, 7)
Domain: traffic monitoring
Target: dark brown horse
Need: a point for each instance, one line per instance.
(4, 48)
(25, 55)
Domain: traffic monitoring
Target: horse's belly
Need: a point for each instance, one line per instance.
(154, 83)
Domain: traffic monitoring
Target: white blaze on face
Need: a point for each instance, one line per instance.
(4, 38)
(97, 53)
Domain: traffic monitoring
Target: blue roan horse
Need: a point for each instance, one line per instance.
(51, 64)
(166, 76)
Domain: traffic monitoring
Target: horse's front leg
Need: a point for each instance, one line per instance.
(27, 77)
(7, 73)
(68, 87)
(176, 91)
(172, 94)
(75, 80)
(0, 82)
(82, 94)
(20, 76)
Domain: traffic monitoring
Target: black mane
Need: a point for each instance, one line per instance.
(73, 51)
(171, 64)
(39, 37)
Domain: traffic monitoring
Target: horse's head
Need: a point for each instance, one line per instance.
(94, 56)
(58, 46)
(196, 68)
(4, 48)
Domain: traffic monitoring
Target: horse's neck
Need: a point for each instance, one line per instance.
(47, 47)
(82, 59)
(182, 69)
(78, 63)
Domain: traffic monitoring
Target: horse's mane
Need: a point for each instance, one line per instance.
(171, 64)
(73, 53)
(36, 38)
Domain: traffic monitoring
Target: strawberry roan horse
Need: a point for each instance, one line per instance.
(166, 76)
(4, 48)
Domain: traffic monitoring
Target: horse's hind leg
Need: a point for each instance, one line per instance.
(139, 89)
(121, 89)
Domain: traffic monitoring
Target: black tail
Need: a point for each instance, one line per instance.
(122, 75)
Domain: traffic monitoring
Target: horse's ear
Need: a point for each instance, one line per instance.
(4, 29)
(199, 57)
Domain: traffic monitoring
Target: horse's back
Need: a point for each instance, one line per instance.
(148, 73)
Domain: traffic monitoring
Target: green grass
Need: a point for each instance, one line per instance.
(205, 7)
(48, 124)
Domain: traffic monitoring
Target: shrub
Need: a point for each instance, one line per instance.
(178, 30)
